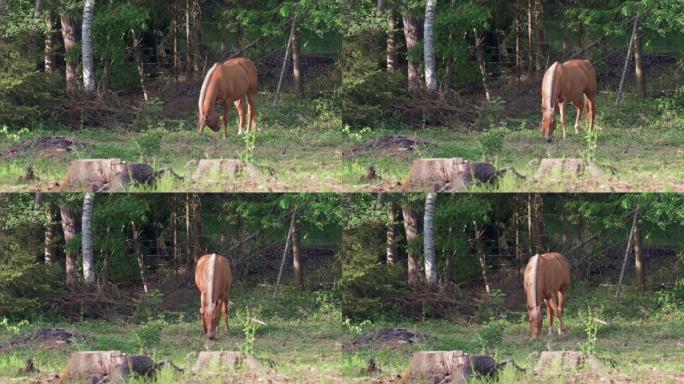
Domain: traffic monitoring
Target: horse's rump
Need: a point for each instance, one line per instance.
(544, 275)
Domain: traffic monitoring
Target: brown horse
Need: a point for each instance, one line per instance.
(213, 278)
(564, 83)
(228, 83)
(545, 276)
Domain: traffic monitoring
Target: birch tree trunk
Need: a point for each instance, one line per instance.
(638, 266)
(296, 255)
(411, 230)
(429, 239)
(391, 250)
(391, 40)
(429, 47)
(139, 62)
(87, 48)
(70, 229)
(481, 256)
(49, 52)
(137, 249)
(296, 63)
(481, 63)
(639, 73)
(87, 239)
(50, 249)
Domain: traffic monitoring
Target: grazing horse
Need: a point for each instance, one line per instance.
(564, 83)
(213, 278)
(545, 276)
(227, 83)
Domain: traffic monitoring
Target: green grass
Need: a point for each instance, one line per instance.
(307, 147)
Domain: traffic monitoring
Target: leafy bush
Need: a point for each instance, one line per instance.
(491, 142)
(490, 334)
(149, 142)
(148, 334)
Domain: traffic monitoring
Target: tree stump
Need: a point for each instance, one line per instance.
(112, 366)
(560, 169)
(458, 367)
(455, 174)
(105, 175)
(567, 361)
(210, 360)
(225, 169)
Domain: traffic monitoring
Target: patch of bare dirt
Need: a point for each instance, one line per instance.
(49, 338)
(391, 338)
(396, 144)
(52, 146)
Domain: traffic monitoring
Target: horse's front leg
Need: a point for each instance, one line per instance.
(225, 121)
(561, 106)
(550, 311)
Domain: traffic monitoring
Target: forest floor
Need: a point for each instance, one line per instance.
(307, 340)
(304, 146)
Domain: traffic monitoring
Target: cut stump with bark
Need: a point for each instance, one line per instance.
(105, 366)
(105, 175)
(225, 169)
(568, 361)
(448, 174)
(562, 169)
(447, 366)
(207, 361)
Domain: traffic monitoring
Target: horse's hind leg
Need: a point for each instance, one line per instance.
(580, 109)
(559, 313)
(225, 311)
(551, 302)
(550, 311)
(240, 106)
(251, 108)
(225, 121)
(591, 113)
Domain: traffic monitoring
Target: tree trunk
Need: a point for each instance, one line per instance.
(137, 249)
(538, 218)
(482, 64)
(530, 28)
(174, 230)
(49, 42)
(639, 73)
(174, 36)
(188, 42)
(539, 36)
(188, 236)
(429, 48)
(87, 50)
(411, 34)
(479, 249)
(296, 63)
(70, 229)
(50, 248)
(296, 255)
(87, 239)
(196, 206)
(197, 38)
(33, 34)
(429, 239)
(70, 37)
(516, 229)
(411, 229)
(139, 62)
(516, 27)
(391, 250)
(638, 266)
(391, 40)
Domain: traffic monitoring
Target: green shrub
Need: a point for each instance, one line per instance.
(148, 334)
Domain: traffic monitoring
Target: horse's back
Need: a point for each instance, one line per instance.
(555, 268)
(247, 67)
(586, 69)
(222, 271)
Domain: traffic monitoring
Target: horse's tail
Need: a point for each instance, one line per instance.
(203, 92)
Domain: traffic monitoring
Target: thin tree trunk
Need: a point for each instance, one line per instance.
(627, 58)
(429, 239)
(296, 255)
(50, 248)
(516, 27)
(391, 249)
(137, 249)
(70, 37)
(638, 266)
(530, 41)
(627, 250)
(33, 34)
(87, 239)
(411, 34)
(539, 36)
(391, 40)
(411, 230)
(49, 42)
(538, 218)
(287, 55)
(639, 73)
(196, 206)
(530, 244)
(188, 236)
(285, 252)
(188, 43)
(70, 230)
(516, 229)
(429, 47)
(174, 230)
(482, 64)
(87, 49)
(174, 36)
(296, 64)
(197, 38)
(139, 62)
(482, 257)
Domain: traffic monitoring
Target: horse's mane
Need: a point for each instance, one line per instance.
(203, 91)
(548, 85)
(212, 270)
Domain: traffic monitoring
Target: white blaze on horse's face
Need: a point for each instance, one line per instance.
(210, 319)
(548, 123)
(535, 319)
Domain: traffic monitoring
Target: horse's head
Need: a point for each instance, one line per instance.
(548, 123)
(535, 318)
(211, 119)
(210, 319)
